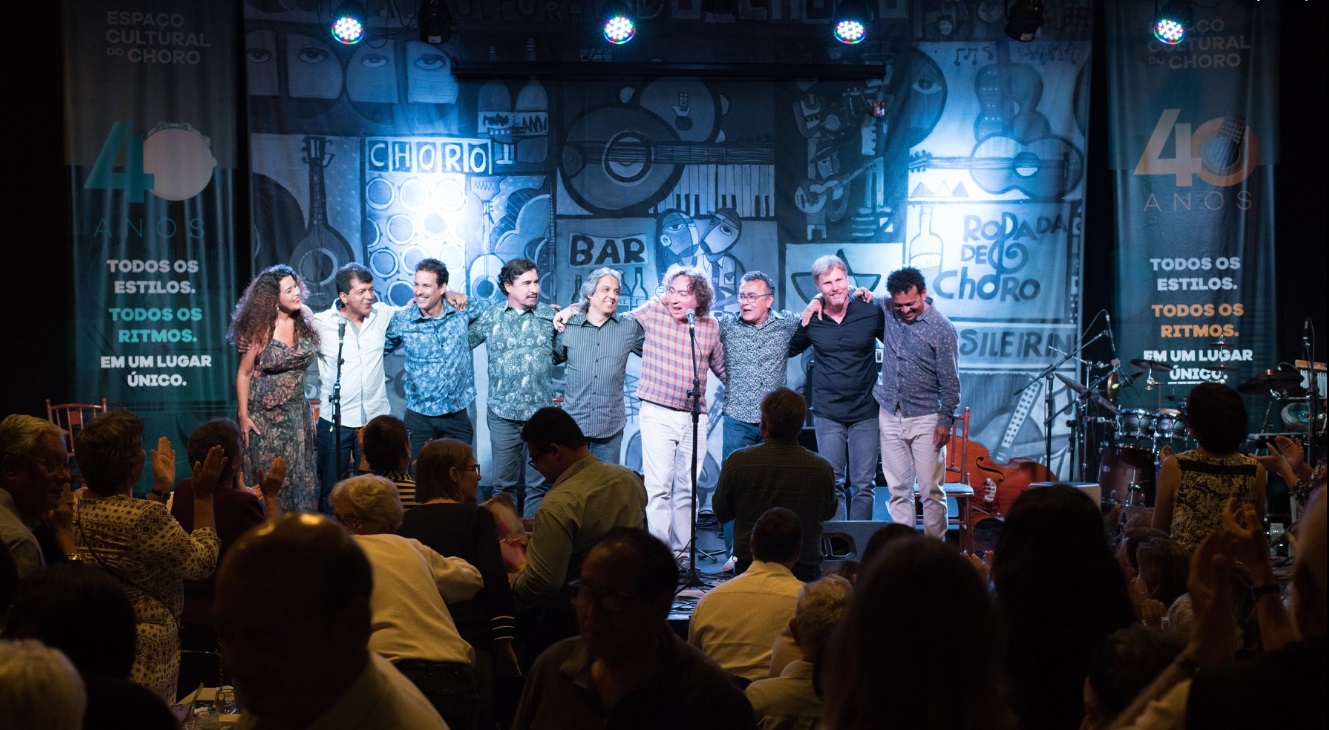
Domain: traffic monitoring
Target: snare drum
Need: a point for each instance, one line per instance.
(1169, 426)
(1126, 476)
(1136, 423)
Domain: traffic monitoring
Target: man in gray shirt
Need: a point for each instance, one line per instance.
(597, 343)
(918, 390)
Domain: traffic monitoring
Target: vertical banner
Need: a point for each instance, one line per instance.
(150, 135)
(1193, 133)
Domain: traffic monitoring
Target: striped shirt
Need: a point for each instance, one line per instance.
(755, 357)
(597, 363)
(919, 369)
(666, 358)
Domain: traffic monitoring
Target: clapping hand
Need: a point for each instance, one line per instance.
(163, 466)
(270, 483)
(207, 474)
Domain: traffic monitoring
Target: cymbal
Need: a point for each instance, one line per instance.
(1269, 380)
(1155, 365)
(1220, 367)
(1222, 343)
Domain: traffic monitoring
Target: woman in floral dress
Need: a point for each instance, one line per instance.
(276, 336)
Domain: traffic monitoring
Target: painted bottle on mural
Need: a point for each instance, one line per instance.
(637, 292)
(323, 249)
(925, 248)
(494, 115)
(532, 116)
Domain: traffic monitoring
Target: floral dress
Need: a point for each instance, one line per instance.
(281, 413)
(1205, 485)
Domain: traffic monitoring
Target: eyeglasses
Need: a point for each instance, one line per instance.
(471, 467)
(51, 463)
(749, 298)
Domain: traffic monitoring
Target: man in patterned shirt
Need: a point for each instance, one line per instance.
(596, 345)
(440, 378)
(918, 391)
(519, 337)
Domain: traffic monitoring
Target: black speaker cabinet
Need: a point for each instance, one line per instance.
(846, 539)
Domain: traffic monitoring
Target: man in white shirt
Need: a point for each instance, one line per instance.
(352, 331)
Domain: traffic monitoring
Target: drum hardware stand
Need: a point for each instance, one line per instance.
(1047, 374)
(1313, 388)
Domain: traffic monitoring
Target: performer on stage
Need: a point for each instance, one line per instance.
(354, 328)
(596, 345)
(918, 391)
(275, 332)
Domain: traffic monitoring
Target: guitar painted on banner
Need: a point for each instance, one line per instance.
(813, 195)
(619, 158)
(1002, 475)
(1044, 169)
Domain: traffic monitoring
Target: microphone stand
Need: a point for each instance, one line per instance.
(1313, 386)
(1049, 416)
(693, 580)
(336, 401)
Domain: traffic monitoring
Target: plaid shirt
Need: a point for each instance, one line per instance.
(666, 357)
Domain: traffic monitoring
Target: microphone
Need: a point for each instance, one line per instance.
(341, 329)
(1306, 335)
(1126, 380)
(692, 319)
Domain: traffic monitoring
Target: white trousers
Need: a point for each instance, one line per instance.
(666, 459)
(907, 456)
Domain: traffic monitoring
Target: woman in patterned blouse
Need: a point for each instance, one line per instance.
(138, 542)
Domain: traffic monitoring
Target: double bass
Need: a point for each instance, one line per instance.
(998, 478)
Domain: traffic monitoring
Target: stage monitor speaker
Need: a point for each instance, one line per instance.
(1091, 489)
(846, 539)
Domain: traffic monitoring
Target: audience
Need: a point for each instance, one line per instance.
(34, 479)
(940, 673)
(294, 614)
(39, 688)
(789, 701)
(1193, 485)
(385, 450)
(137, 541)
(737, 622)
(627, 668)
(1163, 568)
(449, 521)
(1059, 593)
(1125, 663)
(412, 627)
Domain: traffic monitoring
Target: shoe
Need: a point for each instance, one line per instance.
(684, 564)
(729, 564)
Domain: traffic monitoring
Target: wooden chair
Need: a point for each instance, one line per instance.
(956, 482)
(72, 417)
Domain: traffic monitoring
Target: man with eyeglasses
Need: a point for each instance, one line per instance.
(34, 480)
(627, 668)
(586, 499)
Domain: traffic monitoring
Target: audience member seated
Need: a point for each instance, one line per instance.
(1193, 485)
(137, 541)
(1059, 594)
(87, 615)
(39, 687)
(34, 481)
(627, 668)
(778, 472)
(413, 628)
(1123, 665)
(293, 613)
(1281, 687)
(1164, 566)
(919, 625)
(1127, 546)
(236, 510)
(886, 535)
(586, 499)
(447, 478)
(736, 622)
(385, 450)
(789, 701)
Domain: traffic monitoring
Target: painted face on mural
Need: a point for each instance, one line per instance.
(678, 232)
(524, 291)
(834, 287)
(754, 301)
(429, 293)
(605, 297)
(288, 298)
(908, 305)
(679, 297)
(726, 227)
(357, 302)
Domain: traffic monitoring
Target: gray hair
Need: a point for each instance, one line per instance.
(39, 687)
(758, 276)
(19, 434)
(825, 263)
(593, 280)
(821, 605)
(372, 500)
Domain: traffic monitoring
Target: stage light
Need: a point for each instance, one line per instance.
(435, 21)
(619, 24)
(1023, 19)
(1171, 22)
(850, 22)
(348, 23)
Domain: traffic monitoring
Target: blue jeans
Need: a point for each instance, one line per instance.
(737, 435)
(852, 449)
(511, 467)
(608, 449)
(328, 473)
(422, 428)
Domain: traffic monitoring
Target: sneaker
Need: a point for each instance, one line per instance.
(729, 564)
